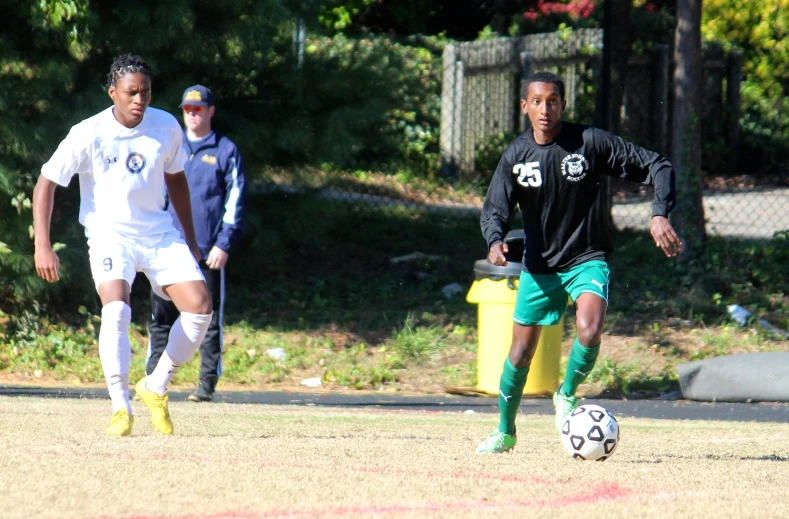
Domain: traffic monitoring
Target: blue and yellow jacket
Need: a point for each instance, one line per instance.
(217, 184)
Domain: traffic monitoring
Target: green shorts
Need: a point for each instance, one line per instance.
(542, 298)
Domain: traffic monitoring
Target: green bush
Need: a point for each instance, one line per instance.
(40, 86)
(354, 102)
(374, 102)
(488, 152)
(759, 28)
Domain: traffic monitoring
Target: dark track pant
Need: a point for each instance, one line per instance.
(164, 313)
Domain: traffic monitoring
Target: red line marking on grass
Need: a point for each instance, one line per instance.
(456, 475)
(604, 492)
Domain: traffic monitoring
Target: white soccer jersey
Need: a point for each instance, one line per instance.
(121, 171)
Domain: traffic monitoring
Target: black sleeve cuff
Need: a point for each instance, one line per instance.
(660, 209)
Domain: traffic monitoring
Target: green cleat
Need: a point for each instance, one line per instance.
(497, 442)
(564, 405)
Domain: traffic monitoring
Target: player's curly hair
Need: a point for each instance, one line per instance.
(125, 64)
(541, 77)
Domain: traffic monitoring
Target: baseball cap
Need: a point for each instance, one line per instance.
(197, 95)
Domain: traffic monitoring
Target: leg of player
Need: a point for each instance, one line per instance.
(194, 302)
(163, 315)
(513, 379)
(115, 352)
(590, 317)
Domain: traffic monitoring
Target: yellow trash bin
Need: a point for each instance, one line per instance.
(494, 291)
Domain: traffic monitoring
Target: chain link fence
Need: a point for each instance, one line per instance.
(480, 99)
(480, 113)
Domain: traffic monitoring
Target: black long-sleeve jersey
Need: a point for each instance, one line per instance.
(558, 189)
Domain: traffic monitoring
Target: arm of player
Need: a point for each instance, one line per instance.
(46, 260)
(496, 211)
(664, 235)
(497, 254)
(628, 161)
(178, 191)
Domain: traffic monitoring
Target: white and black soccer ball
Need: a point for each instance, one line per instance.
(591, 433)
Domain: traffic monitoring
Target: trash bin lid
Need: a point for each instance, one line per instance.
(484, 269)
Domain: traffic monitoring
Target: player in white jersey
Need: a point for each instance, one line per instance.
(125, 157)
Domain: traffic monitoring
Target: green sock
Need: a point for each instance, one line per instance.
(579, 366)
(511, 387)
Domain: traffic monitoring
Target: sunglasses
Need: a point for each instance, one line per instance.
(190, 108)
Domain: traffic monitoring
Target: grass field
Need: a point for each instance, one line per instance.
(317, 279)
(230, 461)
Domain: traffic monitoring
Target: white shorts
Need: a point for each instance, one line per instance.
(165, 259)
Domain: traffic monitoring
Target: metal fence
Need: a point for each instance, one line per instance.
(481, 87)
(481, 90)
(480, 101)
(481, 95)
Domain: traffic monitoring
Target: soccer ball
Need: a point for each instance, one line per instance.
(590, 432)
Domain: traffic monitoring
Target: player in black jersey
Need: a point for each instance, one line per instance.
(553, 172)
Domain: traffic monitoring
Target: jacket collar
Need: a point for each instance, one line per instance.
(210, 142)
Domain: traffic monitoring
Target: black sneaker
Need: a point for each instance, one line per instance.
(204, 393)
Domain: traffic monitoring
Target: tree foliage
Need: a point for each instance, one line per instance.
(39, 81)
(351, 102)
(760, 28)
(457, 19)
(337, 16)
(365, 94)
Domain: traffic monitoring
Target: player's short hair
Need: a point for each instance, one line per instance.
(542, 77)
(125, 64)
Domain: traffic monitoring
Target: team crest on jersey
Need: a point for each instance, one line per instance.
(575, 167)
(135, 162)
(209, 159)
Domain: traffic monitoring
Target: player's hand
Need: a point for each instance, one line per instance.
(664, 236)
(497, 252)
(47, 264)
(217, 258)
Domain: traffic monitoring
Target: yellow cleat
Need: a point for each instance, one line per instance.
(160, 414)
(120, 424)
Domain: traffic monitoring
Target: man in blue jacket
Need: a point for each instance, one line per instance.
(215, 174)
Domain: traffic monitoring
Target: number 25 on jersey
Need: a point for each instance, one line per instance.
(528, 174)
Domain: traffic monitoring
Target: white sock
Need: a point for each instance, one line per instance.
(115, 352)
(185, 337)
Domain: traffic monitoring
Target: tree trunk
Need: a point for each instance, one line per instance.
(688, 217)
(619, 37)
(621, 45)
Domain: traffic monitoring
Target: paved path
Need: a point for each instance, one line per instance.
(752, 214)
(661, 409)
